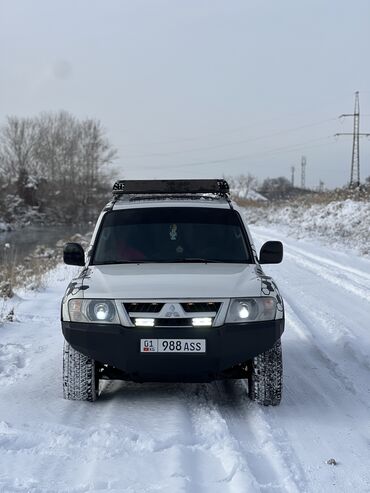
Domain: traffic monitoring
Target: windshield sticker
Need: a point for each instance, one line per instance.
(74, 287)
(268, 288)
(84, 274)
(258, 270)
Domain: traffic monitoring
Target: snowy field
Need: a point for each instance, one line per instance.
(341, 223)
(206, 438)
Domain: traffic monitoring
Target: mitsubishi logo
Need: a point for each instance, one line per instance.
(172, 312)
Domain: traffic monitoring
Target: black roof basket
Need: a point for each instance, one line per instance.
(170, 187)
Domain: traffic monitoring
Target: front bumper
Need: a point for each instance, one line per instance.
(119, 347)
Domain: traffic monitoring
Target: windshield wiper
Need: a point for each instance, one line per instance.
(199, 260)
(111, 262)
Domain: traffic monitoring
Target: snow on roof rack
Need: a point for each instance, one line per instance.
(170, 187)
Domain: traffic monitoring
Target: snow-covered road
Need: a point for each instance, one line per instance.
(200, 438)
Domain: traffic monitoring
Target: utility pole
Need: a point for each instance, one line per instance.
(292, 180)
(356, 134)
(303, 171)
(321, 186)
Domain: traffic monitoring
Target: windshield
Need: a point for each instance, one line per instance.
(171, 234)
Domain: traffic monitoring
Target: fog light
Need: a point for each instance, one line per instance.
(202, 322)
(144, 322)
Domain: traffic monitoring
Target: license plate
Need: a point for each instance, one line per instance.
(172, 345)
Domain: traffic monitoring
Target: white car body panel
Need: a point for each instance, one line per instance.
(159, 281)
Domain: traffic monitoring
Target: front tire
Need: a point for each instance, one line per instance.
(80, 377)
(265, 381)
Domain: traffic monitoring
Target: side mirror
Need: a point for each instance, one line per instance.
(271, 252)
(73, 254)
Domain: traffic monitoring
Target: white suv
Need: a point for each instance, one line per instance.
(172, 290)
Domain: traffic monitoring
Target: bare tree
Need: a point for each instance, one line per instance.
(17, 142)
(55, 161)
(242, 184)
(96, 152)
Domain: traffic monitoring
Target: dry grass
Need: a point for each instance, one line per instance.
(29, 272)
(358, 194)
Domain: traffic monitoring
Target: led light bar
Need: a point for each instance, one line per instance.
(144, 322)
(219, 187)
(202, 322)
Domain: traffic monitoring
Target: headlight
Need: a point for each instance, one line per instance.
(98, 311)
(251, 310)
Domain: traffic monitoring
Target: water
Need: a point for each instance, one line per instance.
(24, 241)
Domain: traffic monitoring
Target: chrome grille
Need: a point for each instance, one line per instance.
(175, 313)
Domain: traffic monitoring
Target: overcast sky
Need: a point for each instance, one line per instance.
(197, 88)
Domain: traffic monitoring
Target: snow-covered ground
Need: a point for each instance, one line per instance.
(205, 438)
(343, 223)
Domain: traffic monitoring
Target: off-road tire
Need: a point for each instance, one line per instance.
(265, 381)
(80, 378)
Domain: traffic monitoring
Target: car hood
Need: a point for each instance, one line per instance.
(161, 281)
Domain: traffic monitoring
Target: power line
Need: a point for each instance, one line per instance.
(302, 111)
(270, 153)
(219, 146)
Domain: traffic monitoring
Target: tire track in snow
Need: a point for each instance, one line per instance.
(335, 402)
(338, 278)
(193, 466)
(237, 431)
(215, 437)
(353, 280)
(327, 367)
(340, 334)
(301, 324)
(354, 274)
(266, 447)
(302, 327)
(100, 435)
(138, 442)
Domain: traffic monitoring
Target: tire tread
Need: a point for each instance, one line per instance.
(266, 379)
(79, 375)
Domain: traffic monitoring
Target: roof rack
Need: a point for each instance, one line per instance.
(170, 187)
